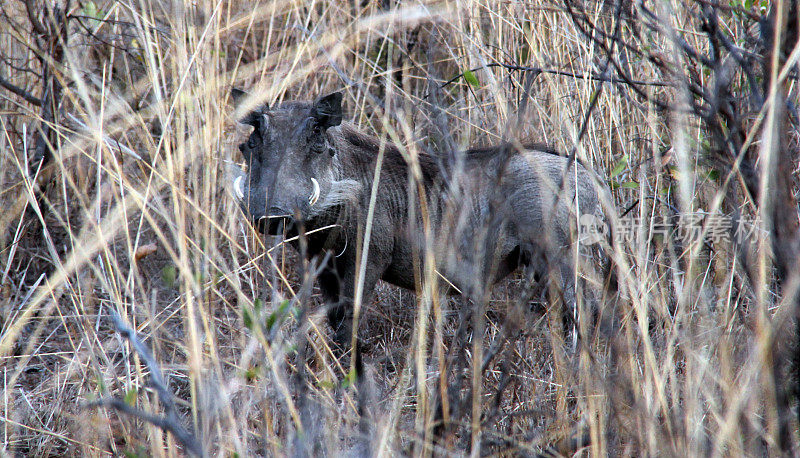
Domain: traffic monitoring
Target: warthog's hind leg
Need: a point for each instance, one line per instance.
(555, 273)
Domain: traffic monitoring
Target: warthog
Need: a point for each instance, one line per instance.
(498, 209)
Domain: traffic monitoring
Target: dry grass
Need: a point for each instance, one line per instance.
(134, 213)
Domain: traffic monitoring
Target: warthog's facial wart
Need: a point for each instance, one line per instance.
(314, 197)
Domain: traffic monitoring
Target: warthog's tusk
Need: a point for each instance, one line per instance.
(314, 197)
(237, 187)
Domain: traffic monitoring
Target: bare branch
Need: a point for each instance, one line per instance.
(110, 142)
(171, 421)
(591, 76)
(164, 423)
(37, 25)
(30, 98)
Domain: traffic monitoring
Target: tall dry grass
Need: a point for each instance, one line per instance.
(133, 213)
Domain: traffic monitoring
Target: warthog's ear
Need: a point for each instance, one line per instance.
(238, 95)
(327, 110)
(252, 118)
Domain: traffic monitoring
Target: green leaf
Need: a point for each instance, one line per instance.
(349, 379)
(130, 396)
(524, 53)
(247, 317)
(470, 78)
(271, 319)
(258, 304)
(283, 306)
(90, 9)
(251, 373)
(139, 453)
(169, 274)
(629, 185)
(101, 383)
(277, 314)
(620, 166)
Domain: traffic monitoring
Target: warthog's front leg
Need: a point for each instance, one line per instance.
(340, 310)
(338, 285)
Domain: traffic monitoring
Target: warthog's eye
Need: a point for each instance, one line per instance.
(317, 146)
(249, 148)
(316, 138)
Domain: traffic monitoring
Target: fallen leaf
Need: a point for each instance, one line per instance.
(145, 250)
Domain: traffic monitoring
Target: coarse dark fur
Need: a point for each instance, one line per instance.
(501, 207)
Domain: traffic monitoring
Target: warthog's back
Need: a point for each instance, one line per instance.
(532, 190)
(527, 202)
(537, 182)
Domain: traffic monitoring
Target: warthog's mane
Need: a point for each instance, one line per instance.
(365, 148)
(491, 151)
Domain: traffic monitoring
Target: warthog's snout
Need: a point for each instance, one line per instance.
(276, 217)
(238, 188)
(270, 223)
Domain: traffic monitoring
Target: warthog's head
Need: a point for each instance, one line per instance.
(293, 172)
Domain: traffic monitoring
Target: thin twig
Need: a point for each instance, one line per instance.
(30, 98)
(37, 25)
(595, 77)
(110, 142)
(169, 422)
